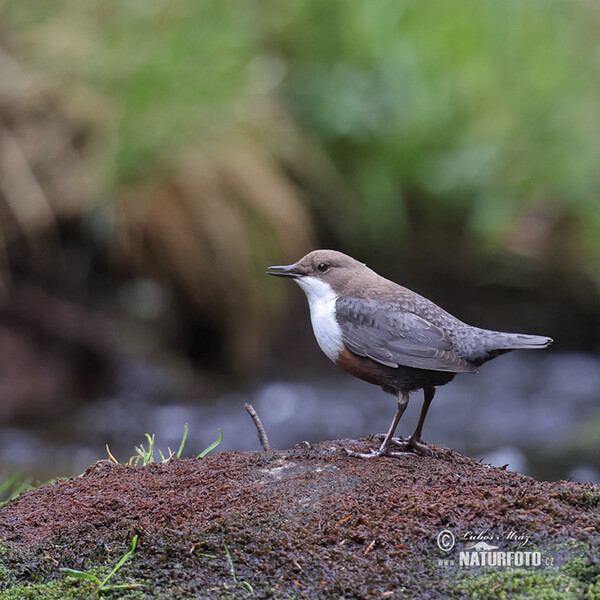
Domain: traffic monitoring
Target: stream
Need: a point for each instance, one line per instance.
(537, 413)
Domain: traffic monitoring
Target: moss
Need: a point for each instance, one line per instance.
(63, 588)
(519, 584)
(55, 590)
(590, 498)
(578, 578)
(585, 565)
(4, 572)
(585, 497)
(581, 498)
(321, 527)
(23, 575)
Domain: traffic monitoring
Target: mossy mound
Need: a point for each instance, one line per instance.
(304, 523)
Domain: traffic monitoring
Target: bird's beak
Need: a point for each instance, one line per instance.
(284, 271)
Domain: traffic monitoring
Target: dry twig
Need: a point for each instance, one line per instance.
(262, 436)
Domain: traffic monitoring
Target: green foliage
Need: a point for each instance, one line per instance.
(590, 498)
(5, 575)
(62, 589)
(521, 584)
(55, 590)
(183, 439)
(78, 586)
(146, 455)
(583, 564)
(483, 107)
(483, 110)
(212, 446)
(583, 499)
(244, 585)
(579, 578)
(169, 68)
(100, 585)
(13, 487)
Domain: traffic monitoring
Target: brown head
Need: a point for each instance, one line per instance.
(341, 272)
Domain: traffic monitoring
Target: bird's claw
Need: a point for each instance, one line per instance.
(398, 447)
(412, 446)
(371, 454)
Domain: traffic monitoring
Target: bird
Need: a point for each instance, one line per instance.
(390, 336)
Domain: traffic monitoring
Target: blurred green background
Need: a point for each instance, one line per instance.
(156, 156)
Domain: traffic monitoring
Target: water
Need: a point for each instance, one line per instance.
(538, 413)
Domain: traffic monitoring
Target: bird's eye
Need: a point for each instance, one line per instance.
(323, 267)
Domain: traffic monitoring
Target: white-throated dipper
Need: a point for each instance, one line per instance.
(391, 336)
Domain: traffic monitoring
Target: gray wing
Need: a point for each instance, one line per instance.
(395, 337)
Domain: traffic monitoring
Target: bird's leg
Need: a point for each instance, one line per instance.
(414, 443)
(428, 394)
(384, 449)
(387, 441)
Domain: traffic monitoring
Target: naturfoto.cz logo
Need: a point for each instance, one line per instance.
(476, 550)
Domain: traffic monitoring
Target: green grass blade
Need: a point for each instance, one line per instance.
(80, 575)
(231, 567)
(24, 485)
(8, 483)
(121, 562)
(13, 487)
(150, 455)
(212, 446)
(185, 432)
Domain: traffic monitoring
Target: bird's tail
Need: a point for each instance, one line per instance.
(518, 341)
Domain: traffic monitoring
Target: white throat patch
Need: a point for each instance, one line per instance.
(321, 300)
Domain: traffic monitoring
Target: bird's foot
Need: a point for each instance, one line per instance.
(405, 445)
(387, 450)
(413, 446)
(371, 454)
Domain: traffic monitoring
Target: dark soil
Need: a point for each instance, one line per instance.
(303, 523)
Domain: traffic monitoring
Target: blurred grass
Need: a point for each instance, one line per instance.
(194, 197)
(398, 125)
(488, 108)
(483, 108)
(170, 68)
